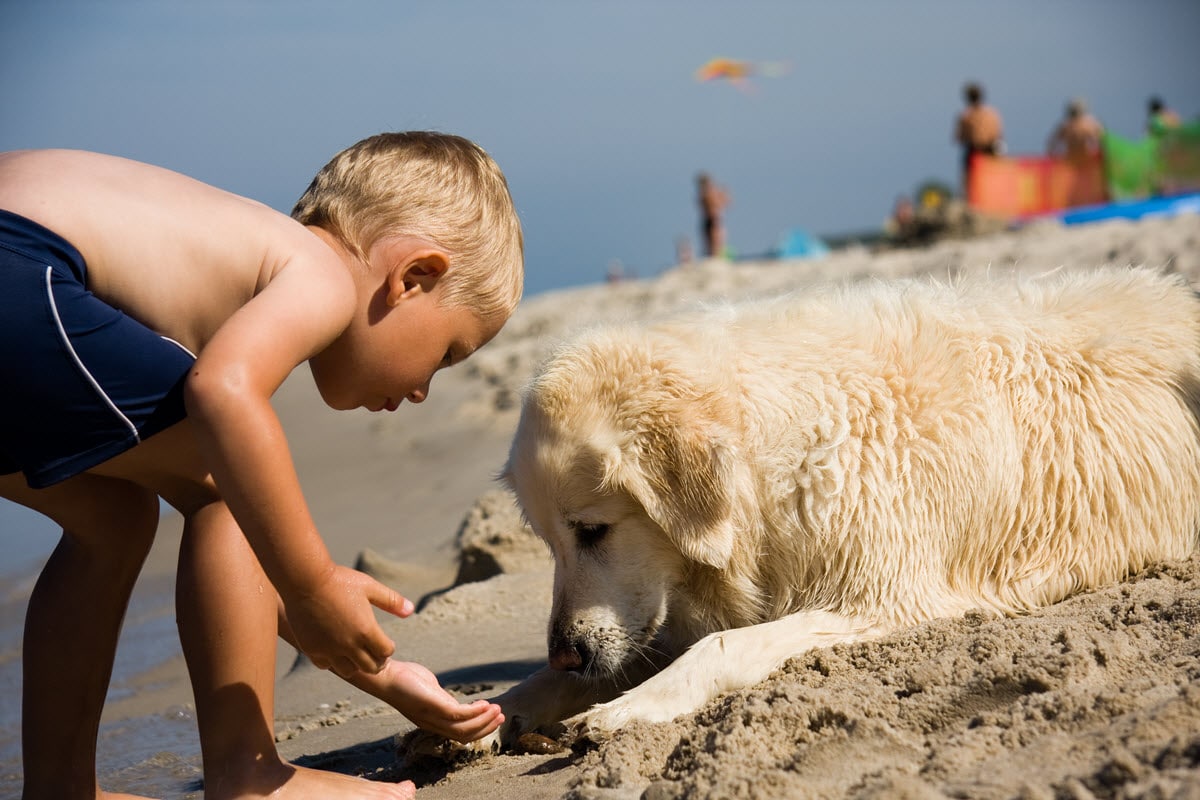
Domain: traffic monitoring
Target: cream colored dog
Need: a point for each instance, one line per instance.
(726, 490)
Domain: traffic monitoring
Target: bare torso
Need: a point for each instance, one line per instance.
(1077, 139)
(174, 253)
(979, 127)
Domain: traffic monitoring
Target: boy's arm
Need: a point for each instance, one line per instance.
(308, 302)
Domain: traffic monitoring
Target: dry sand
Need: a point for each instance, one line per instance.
(1098, 696)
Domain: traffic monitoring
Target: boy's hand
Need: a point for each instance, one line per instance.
(334, 626)
(414, 691)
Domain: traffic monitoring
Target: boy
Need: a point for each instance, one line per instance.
(403, 256)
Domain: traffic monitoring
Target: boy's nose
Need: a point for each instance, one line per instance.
(419, 394)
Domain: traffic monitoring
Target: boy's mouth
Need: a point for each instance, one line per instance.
(387, 405)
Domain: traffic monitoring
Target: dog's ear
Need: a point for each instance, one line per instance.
(682, 472)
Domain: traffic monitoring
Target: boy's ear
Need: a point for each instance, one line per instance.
(413, 270)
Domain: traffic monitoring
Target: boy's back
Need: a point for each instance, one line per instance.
(174, 253)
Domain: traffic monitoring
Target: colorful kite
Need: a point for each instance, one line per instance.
(739, 72)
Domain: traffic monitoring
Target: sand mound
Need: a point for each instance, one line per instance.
(1096, 696)
(494, 539)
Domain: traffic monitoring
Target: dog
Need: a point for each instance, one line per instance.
(725, 490)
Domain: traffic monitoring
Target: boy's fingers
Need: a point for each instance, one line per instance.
(480, 708)
(477, 728)
(376, 653)
(479, 719)
(344, 668)
(389, 600)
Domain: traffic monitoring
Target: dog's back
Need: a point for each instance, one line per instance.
(997, 444)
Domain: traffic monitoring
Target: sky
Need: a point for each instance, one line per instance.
(590, 108)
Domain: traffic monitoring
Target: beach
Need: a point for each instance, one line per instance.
(1097, 696)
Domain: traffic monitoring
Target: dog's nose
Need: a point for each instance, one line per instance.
(567, 659)
(567, 655)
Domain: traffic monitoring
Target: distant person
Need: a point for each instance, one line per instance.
(713, 201)
(146, 319)
(901, 223)
(1076, 142)
(1160, 118)
(913, 225)
(1077, 138)
(978, 129)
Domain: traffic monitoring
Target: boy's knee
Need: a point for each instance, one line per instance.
(137, 512)
(118, 513)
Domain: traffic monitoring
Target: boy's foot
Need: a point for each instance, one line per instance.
(120, 796)
(312, 784)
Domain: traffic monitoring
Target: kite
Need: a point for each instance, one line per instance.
(739, 72)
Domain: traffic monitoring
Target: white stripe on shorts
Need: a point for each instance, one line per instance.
(177, 344)
(62, 332)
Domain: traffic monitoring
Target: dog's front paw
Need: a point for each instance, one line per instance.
(659, 699)
(599, 723)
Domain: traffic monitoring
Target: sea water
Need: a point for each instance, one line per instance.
(156, 755)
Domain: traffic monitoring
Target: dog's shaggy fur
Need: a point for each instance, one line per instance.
(725, 490)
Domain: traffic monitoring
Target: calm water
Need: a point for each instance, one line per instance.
(26, 539)
(157, 755)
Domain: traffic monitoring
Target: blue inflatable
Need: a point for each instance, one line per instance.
(1134, 209)
(798, 243)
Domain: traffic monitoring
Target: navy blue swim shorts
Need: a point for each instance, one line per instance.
(80, 381)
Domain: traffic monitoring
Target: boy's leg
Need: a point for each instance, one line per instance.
(73, 623)
(227, 613)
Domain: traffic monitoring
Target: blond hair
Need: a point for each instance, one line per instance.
(435, 186)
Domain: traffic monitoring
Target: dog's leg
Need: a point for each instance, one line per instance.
(722, 662)
(548, 696)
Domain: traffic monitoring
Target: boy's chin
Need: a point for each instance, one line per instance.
(335, 401)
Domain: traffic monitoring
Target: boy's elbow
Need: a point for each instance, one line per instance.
(197, 394)
(208, 390)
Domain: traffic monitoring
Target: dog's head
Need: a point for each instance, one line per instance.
(626, 466)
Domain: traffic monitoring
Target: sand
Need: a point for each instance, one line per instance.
(1097, 696)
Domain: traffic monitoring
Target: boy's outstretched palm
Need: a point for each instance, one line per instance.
(414, 691)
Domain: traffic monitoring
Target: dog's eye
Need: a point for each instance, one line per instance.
(589, 533)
